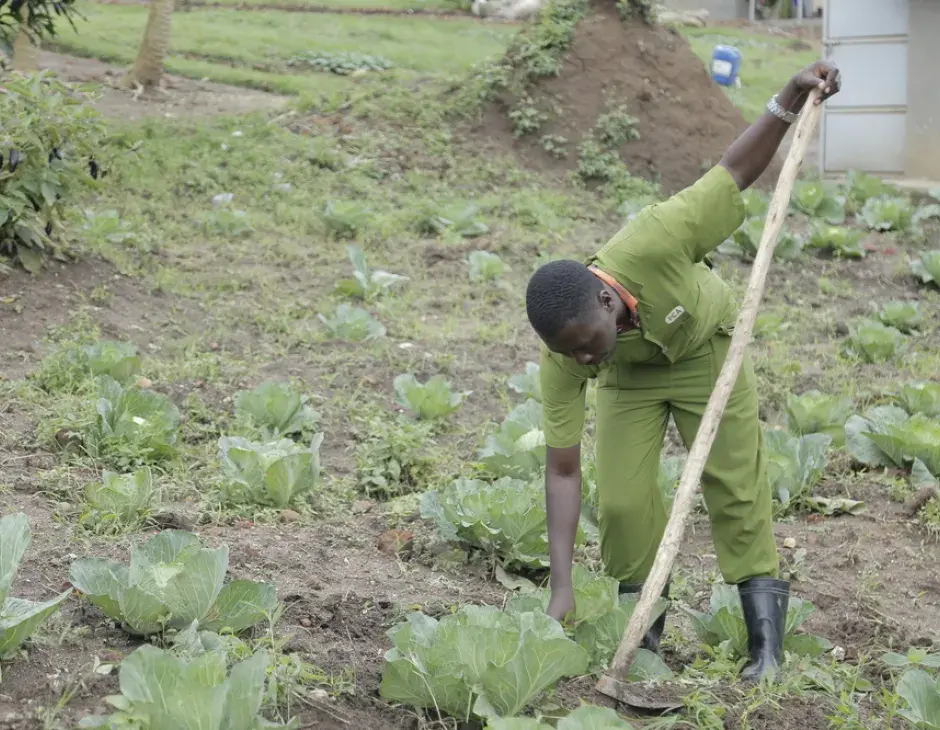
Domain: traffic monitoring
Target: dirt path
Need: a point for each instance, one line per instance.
(185, 97)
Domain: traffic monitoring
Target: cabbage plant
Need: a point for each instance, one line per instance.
(477, 662)
(921, 396)
(600, 620)
(815, 199)
(838, 240)
(875, 342)
(137, 424)
(887, 436)
(861, 186)
(795, 464)
(19, 618)
(160, 691)
(352, 324)
(745, 241)
(518, 448)
(888, 213)
(725, 623)
(367, 284)
(172, 581)
(70, 368)
(119, 500)
(486, 267)
(274, 474)
(921, 694)
(927, 268)
(506, 519)
(431, 400)
(904, 316)
(527, 383)
(274, 410)
(816, 412)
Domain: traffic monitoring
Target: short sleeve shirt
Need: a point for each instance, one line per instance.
(658, 257)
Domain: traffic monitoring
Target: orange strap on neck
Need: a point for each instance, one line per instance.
(628, 299)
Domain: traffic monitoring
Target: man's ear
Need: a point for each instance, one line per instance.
(605, 300)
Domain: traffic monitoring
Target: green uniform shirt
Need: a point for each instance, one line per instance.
(658, 257)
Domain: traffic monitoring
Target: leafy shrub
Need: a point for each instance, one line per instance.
(70, 368)
(434, 399)
(601, 618)
(815, 199)
(795, 465)
(47, 148)
(921, 692)
(340, 63)
(486, 267)
(904, 316)
(585, 717)
(275, 474)
(505, 519)
(921, 396)
(274, 410)
(119, 501)
(888, 436)
(172, 581)
(526, 118)
(927, 268)
(617, 126)
(527, 383)
(391, 456)
(886, 213)
(133, 425)
(816, 412)
(352, 324)
(366, 284)
(725, 623)
(838, 240)
(518, 448)
(479, 661)
(161, 691)
(19, 618)
(874, 342)
(745, 241)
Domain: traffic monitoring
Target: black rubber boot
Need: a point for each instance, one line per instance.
(765, 602)
(655, 633)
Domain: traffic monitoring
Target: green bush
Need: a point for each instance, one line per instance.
(49, 139)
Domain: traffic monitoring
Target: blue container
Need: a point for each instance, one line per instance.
(726, 63)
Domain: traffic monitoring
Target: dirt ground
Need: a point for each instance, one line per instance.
(183, 98)
(656, 74)
(874, 578)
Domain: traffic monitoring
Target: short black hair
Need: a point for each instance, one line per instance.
(558, 293)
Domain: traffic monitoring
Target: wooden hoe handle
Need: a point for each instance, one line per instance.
(698, 454)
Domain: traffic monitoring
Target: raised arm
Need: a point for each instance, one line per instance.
(751, 153)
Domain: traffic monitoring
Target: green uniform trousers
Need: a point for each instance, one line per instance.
(631, 426)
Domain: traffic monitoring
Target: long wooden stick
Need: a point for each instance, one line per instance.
(612, 683)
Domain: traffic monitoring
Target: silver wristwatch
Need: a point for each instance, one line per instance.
(773, 106)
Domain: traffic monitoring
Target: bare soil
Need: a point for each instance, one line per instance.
(684, 120)
(184, 98)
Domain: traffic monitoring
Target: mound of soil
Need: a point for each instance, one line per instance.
(685, 121)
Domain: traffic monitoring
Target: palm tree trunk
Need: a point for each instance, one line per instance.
(148, 69)
(25, 49)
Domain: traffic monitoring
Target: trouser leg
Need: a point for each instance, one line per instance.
(631, 427)
(734, 481)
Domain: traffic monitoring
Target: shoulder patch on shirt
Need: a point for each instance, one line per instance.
(675, 314)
